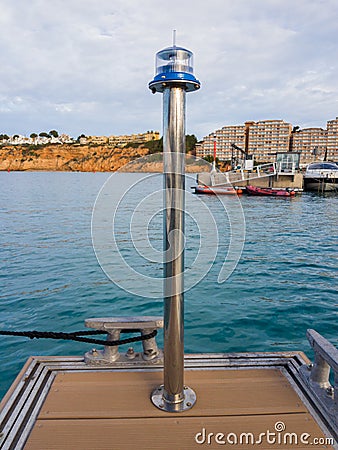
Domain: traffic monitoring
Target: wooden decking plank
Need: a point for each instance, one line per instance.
(126, 394)
(176, 433)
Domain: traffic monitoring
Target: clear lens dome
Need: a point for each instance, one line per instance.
(174, 59)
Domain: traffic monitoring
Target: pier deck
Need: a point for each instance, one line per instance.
(61, 403)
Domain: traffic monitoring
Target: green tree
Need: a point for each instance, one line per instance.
(190, 142)
(33, 136)
(44, 134)
(54, 133)
(154, 146)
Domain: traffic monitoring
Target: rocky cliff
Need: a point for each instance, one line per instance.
(68, 157)
(84, 158)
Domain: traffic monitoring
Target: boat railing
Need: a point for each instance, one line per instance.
(327, 173)
(317, 375)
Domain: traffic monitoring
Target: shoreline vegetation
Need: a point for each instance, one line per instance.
(135, 157)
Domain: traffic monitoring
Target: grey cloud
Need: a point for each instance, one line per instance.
(85, 65)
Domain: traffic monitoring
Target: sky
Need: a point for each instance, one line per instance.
(84, 66)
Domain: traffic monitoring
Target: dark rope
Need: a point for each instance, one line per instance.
(76, 336)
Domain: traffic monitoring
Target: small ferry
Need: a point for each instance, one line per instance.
(321, 177)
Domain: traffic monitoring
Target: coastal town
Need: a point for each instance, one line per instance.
(53, 137)
(262, 140)
(60, 152)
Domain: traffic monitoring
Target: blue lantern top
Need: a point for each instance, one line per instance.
(174, 65)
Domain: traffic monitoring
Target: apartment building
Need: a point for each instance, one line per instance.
(257, 138)
(231, 134)
(99, 140)
(310, 143)
(127, 138)
(267, 136)
(332, 139)
(122, 140)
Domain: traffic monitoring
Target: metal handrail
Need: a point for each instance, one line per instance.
(317, 375)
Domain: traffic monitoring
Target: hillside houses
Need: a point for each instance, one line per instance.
(18, 139)
(54, 138)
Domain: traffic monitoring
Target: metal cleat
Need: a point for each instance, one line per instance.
(114, 326)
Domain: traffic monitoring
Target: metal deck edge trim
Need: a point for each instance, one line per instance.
(295, 381)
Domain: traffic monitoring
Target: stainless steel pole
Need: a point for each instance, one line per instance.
(174, 77)
(174, 205)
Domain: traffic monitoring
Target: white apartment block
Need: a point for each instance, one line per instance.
(230, 134)
(310, 143)
(266, 137)
(332, 140)
(258, 138)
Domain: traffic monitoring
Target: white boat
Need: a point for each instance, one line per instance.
(321, 176)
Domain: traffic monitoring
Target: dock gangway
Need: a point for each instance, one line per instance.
(215, 178)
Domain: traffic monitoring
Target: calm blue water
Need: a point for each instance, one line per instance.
(284, 283)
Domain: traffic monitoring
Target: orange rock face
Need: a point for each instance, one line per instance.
(67, 157)
(85, 158)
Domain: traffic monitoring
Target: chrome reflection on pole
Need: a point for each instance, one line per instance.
(174, 77)
(174, 205)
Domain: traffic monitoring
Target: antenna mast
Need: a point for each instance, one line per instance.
(174, 38)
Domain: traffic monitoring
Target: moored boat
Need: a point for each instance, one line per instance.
(254, 190)
(216, 190)
(321, 177)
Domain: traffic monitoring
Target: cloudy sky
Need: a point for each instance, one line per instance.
(84, 66)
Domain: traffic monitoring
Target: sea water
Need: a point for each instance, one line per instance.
(283, 282)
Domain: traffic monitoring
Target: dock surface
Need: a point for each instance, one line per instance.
(243, 401)
(113, 411)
